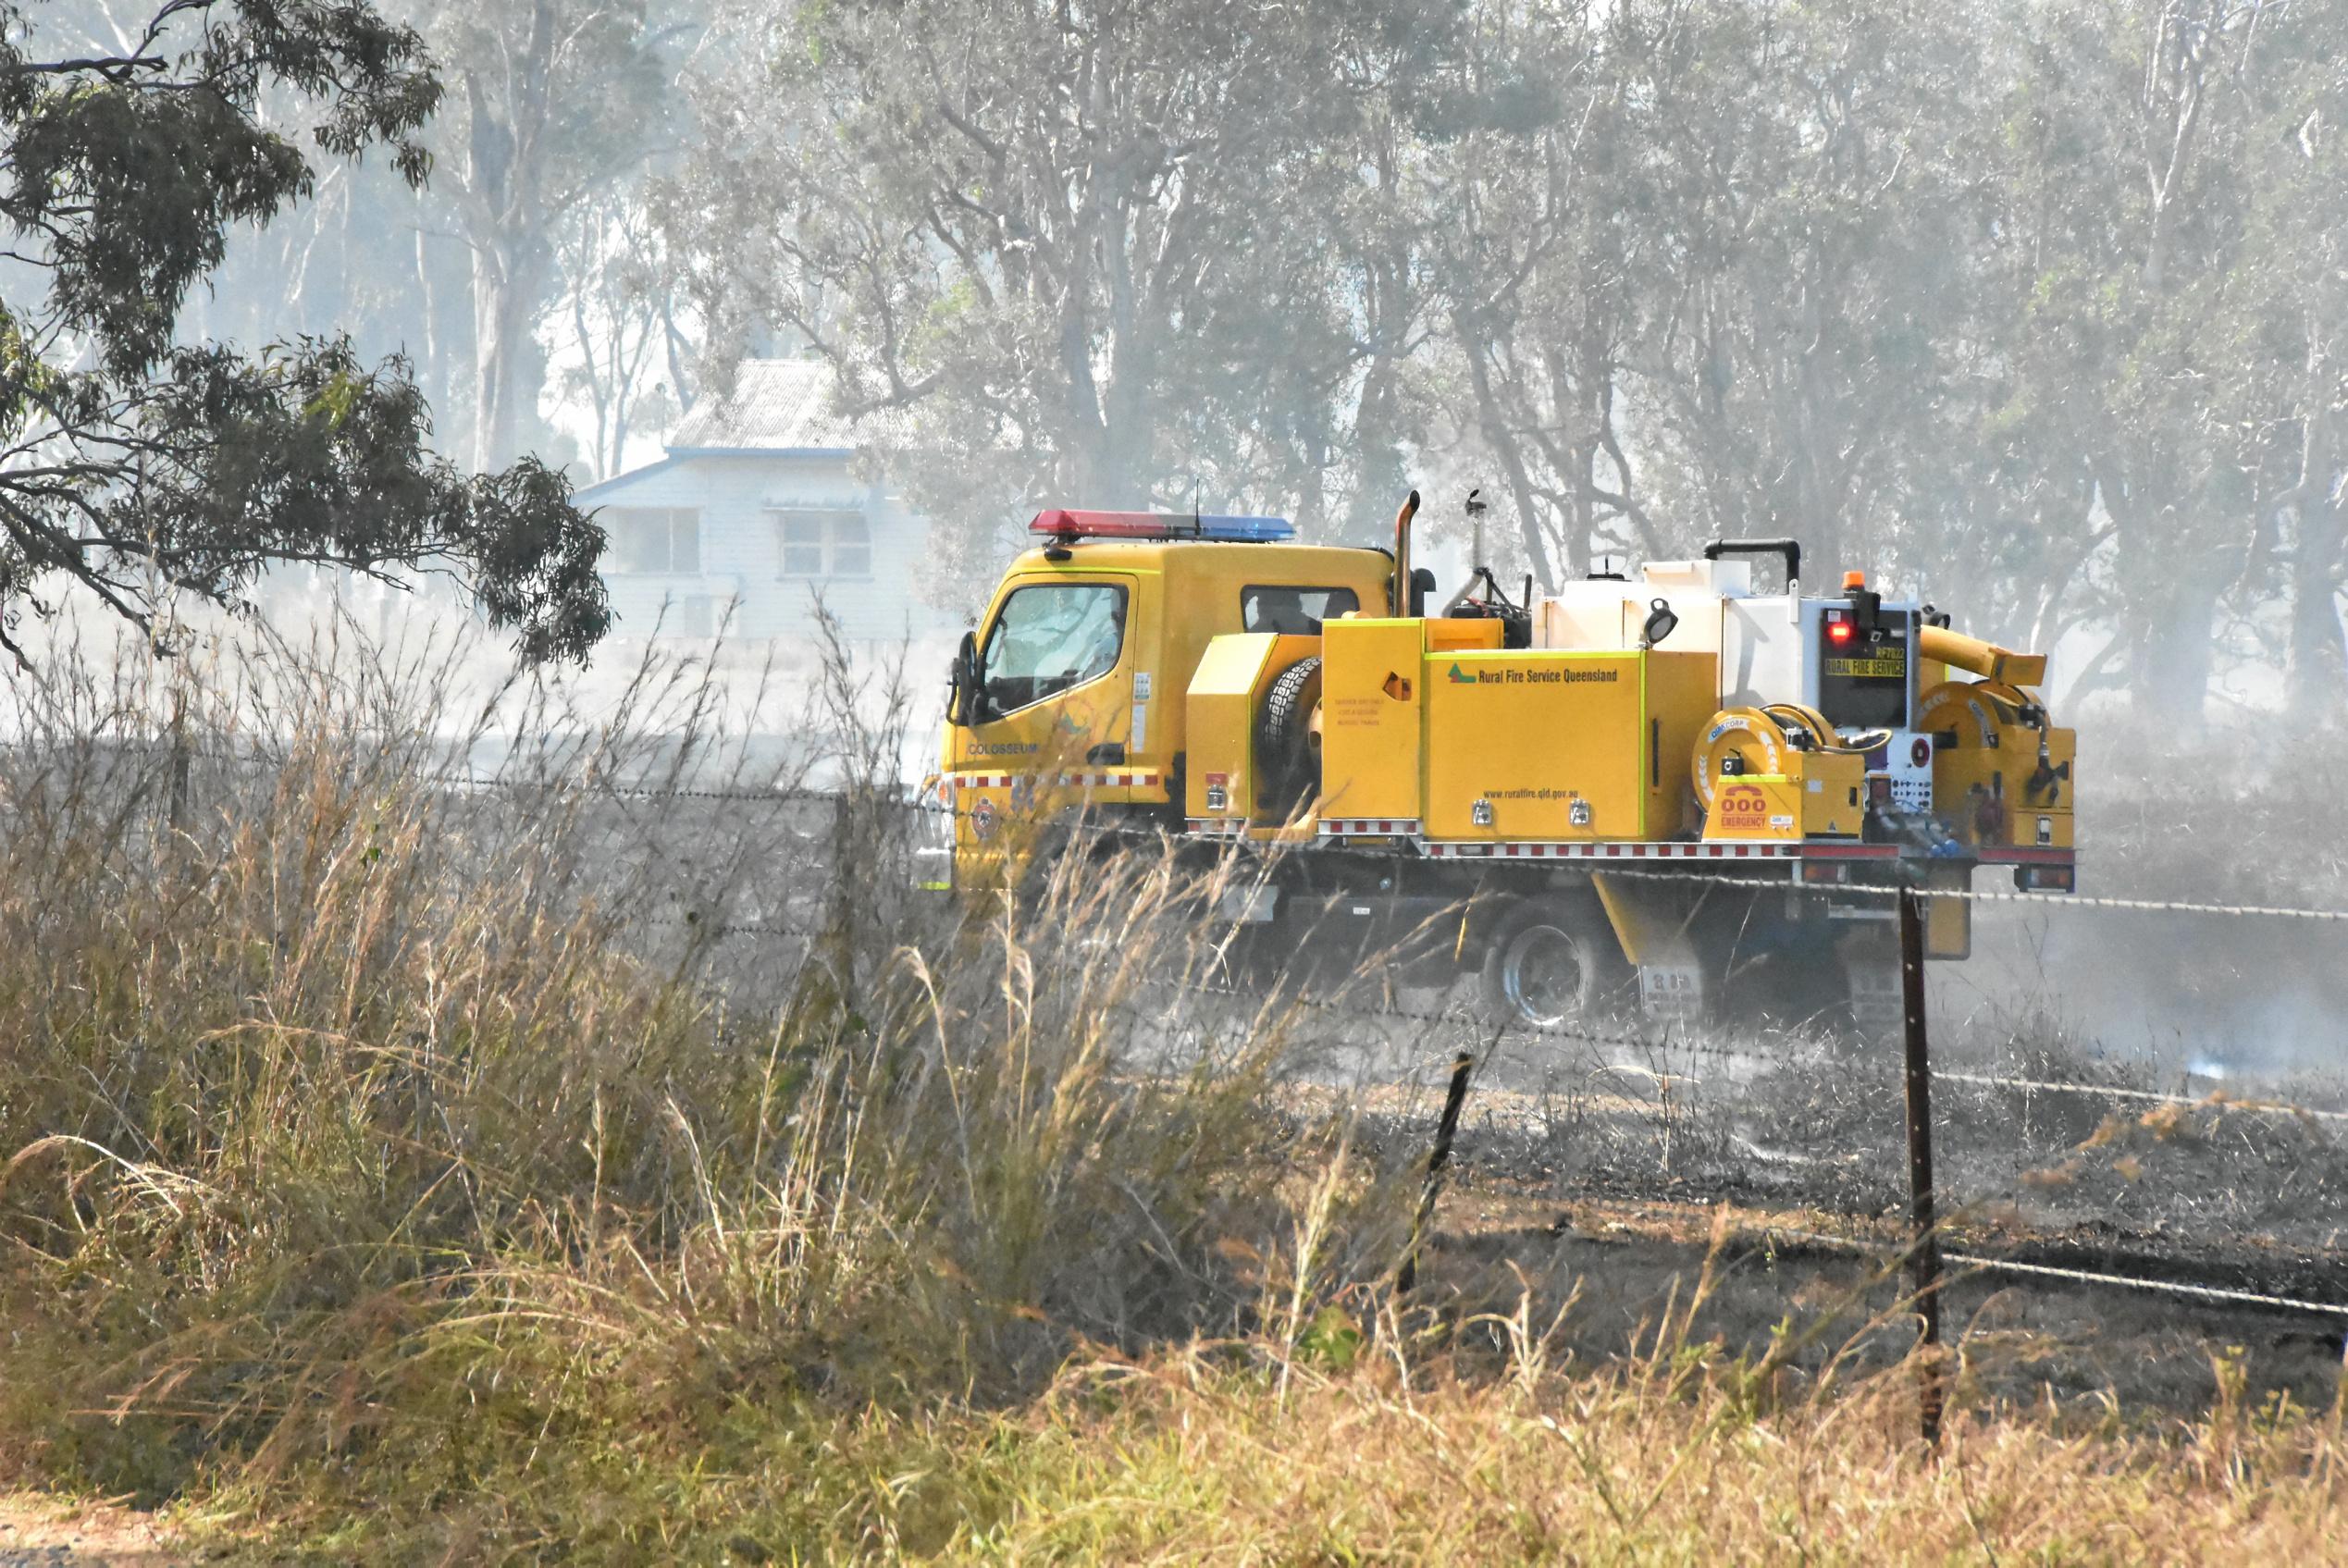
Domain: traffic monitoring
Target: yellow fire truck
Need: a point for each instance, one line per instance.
(1668, 790)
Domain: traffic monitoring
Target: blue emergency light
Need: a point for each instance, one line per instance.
(1065, 526)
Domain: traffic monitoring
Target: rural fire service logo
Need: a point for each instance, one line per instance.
(983, 817)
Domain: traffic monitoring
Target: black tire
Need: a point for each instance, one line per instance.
(1551, 964)
(1288, 762)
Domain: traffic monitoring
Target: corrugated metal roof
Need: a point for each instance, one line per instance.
(778, 404)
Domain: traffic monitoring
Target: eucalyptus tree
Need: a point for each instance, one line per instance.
(555, 111)
(1726, 288)
(556, 106)
(626, 352)
(1532, 242)
(2290, 347)
(1814, 208)
(1127, 253)
(138, 465)
(2144, 362)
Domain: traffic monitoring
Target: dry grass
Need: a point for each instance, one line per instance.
(1406, 1440)
(396, 1169)
(1665, 1459)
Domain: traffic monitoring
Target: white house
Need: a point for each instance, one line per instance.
(755, 509)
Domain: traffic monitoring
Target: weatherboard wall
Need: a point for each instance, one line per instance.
(739, 498)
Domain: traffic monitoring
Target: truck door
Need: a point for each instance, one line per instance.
(1055, 693)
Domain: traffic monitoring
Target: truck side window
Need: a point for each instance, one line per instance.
(1292, 611)
(1048, 637)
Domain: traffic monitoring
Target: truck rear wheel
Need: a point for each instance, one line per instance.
(1552, 963)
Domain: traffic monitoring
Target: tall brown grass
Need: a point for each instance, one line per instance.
(617, 1159)
(356, 1112)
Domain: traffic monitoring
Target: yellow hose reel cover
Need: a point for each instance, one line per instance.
(1757, 741)
(1976, 712)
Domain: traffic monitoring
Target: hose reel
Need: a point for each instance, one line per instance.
(1976, 714)
(1792, 742)
(1739, 741)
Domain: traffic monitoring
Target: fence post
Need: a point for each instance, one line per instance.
(1923, 1258)
(1440, 1155)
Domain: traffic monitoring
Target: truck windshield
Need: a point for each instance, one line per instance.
(1049, 638)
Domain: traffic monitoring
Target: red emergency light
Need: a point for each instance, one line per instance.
(1839, 632)
(1066, 525)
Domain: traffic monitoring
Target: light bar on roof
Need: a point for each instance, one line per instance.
(1063, 524)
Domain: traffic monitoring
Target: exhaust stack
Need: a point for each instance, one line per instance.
(1398, 601)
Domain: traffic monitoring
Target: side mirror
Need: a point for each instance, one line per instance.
(964, 693)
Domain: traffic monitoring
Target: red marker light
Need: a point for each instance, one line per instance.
(1838, 631)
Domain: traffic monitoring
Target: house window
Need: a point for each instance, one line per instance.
(653, 538)
(824, 544)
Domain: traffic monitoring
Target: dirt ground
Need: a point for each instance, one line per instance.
(37, 1531)
(1599, 1172)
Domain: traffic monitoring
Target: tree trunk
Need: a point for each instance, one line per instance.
(2318, 659)
(2173, 666)
(1504, 447)
(506, 224)
(1377, 451)
(509, 280)
(2318, 662)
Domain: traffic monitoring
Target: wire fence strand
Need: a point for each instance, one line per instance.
(2218, 1100)
(926, 805)
(1989, 1264)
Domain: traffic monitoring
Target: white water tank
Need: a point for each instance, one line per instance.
(1604, 615)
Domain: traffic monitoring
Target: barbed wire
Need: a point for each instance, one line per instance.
(925, 805)
(787, 795)
(1976, 895)
(2155, 906)
(2216, 1100)
(1469, 1021)
(1991, 1263)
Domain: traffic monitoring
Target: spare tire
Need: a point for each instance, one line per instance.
(1288, 750)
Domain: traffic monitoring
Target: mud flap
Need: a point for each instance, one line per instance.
(1653, 921)
(1251, 902)
(1870, 969)
(1948, 922)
